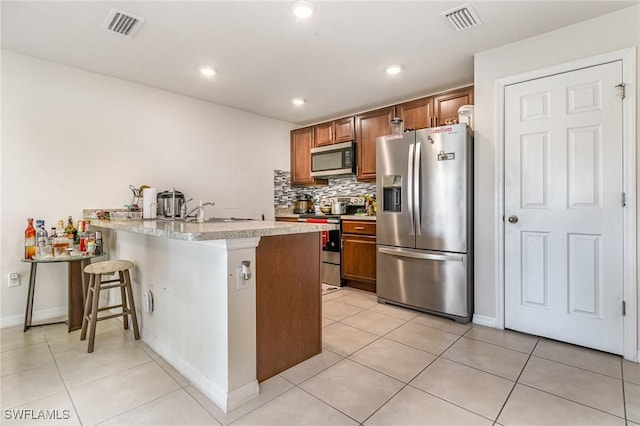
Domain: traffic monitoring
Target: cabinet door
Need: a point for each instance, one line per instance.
(301, 144)
(416, 114)
(323, 133)
(446, 105)
(359, 257)
(369, 126)
(344, 130)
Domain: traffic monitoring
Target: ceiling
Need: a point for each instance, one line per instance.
(264, 56)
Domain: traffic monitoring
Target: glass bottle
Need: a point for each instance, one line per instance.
(60, 242)
(71, 230)
(397, 127)
(98, 248)
(29, 240)
(82, 243)
(41, 236)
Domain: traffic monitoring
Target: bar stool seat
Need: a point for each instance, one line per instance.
(96, 285)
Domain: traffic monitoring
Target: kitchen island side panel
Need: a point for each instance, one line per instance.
(288, 302)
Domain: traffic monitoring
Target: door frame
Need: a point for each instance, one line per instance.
(630, 283)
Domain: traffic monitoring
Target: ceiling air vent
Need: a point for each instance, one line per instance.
(122, 23)
(462, 17)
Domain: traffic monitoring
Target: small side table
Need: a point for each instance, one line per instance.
(76, 289)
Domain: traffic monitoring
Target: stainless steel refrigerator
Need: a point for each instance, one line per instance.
(425, 221)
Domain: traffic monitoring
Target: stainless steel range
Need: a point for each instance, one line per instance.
(331, 240)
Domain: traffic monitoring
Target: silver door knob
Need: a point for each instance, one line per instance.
(513, 219)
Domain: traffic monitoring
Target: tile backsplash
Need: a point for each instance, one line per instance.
(284, 194)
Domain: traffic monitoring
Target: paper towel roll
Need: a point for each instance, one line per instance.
(149, 203)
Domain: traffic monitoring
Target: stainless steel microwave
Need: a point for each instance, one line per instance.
(333, 160)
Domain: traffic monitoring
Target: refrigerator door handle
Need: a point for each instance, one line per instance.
(417, 189)
(409, 196)
(424, 256)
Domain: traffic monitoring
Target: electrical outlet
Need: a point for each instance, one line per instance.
(14, 279)
(240, 283)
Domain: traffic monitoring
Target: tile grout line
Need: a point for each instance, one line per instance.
(579, 368)
(624, 394)
(325, 402)
(447, 359)
(450, 402)
(347, 357)
(516, 382)
(138, 406)
(500, 346)
(383, 404)
(64, 383)
(570, 400)
(408, 384)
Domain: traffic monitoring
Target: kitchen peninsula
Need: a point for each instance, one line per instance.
(222, 330)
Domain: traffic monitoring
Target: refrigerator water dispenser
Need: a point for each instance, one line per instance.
(392, 193)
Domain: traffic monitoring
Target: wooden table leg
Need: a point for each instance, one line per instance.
(76, 290)
(30, 293)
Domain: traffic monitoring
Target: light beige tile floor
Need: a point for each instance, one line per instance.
(381, 365)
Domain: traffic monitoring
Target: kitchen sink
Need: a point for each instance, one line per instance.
(220, 220)
(209, 220)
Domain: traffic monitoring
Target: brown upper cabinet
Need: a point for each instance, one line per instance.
(416, 114)
(336, 131)
(446, 105)
(364, 128)
(301, 144)
(369, 126)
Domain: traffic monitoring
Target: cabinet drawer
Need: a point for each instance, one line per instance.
(358, 227)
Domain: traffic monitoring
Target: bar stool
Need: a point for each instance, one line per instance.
(96, 285)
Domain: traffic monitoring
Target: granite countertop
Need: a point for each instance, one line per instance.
(343, 217)
(193, 231)
(287, 213)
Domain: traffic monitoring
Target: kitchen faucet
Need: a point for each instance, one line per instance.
(199, 208)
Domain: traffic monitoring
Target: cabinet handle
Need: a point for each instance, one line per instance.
(359, 228)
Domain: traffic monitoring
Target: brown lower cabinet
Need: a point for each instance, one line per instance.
(359, 254)
(288, 302)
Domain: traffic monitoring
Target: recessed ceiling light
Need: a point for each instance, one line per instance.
(207, 71)
(302, 8)
(394, 69)
(297, 101)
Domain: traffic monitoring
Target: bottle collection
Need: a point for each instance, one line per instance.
(62, 241)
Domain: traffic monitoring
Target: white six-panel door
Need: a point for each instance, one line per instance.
(563, 207)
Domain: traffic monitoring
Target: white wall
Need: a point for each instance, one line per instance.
(73, 139)
(611, 32)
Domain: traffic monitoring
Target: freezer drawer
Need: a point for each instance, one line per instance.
(425, 280)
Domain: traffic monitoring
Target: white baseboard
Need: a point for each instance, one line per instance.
(242, 395)
(225, 401)
(38, 316)
(484, 320)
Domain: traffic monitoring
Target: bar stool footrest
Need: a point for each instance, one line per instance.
(106, 317)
